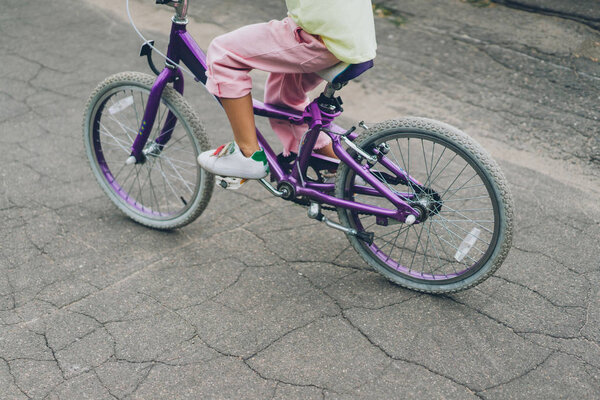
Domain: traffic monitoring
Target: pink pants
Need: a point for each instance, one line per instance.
(292, 57)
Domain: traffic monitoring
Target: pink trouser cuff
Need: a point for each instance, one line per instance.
(226, 90)
(227, 74)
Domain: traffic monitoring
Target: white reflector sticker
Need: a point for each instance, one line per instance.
(120, 105)
(467, 244)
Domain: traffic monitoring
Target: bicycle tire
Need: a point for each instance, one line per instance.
(431, 135)
(187, 188)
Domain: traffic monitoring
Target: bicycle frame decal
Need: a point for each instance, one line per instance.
(182, 47)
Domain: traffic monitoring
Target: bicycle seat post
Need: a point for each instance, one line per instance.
(181, 7)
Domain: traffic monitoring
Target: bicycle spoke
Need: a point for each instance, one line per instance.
(443, 169)
(167, 182)
(165, 191)
(137, 118)
(454, 191)
(437, 254)
(467, 198)
(186, 183)
(119, 172)
(443, 195)
(192, 164)
(415, 253)
(123, 127)
(117, 146)
(107, 133)
(394, 244)
(425, 259)
(120, 111)
(468, 220)
(392, 232)
(468, 210)
(458, 236)
(454, 246)
(437, 236)
(131, 170)
(403, 247)
(431, 164)
(139, 182)
(424, 158)
(428, 182)
(153, 191)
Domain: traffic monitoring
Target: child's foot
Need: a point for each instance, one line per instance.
(228, 160)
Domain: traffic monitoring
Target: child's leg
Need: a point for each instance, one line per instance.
(290, 90)
(241, 116)
(277, 46)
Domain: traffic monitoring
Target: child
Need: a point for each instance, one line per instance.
(317, 34)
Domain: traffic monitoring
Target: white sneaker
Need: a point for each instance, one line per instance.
(228, 160)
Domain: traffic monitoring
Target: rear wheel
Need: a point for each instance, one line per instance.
(169, 189)
(466, 232)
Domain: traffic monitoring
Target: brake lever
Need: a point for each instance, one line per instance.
(146, 50)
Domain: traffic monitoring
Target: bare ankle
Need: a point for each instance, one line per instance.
(247, 151)
(326, 151)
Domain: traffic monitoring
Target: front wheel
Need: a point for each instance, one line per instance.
(169, 189)
(465, 232)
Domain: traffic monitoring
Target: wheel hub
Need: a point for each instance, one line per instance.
(153, 150)
(428, 202)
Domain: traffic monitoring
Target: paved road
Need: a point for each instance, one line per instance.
(95, 306)
(585, 11)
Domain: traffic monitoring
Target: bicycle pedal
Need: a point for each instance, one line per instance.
(229, 182)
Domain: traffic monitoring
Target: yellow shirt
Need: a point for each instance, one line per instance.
(346, 26)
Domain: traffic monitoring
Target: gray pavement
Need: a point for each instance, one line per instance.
(94, 306)
(585, 11)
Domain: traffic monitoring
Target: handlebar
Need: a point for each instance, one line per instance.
(181, 7)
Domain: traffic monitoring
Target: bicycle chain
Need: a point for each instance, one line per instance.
(304, 202)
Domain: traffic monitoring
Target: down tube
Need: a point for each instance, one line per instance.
(271, 157)
(190, 53)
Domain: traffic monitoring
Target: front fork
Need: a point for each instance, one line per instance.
(169, 74)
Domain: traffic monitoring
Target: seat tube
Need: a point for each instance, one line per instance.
(308, 143)
(310, 138)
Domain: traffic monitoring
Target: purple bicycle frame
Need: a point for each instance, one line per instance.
(182, 47)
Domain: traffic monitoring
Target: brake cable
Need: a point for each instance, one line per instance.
(150, 44)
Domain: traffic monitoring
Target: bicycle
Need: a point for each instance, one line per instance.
(419, 200)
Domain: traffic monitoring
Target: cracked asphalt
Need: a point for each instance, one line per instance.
(95, 306)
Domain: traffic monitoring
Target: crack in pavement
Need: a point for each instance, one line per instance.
(559, 262)
(591, 22)
(14, 379)
(104, 385)
(479, 42)
(587, 310)
(408, 361)
(520, 375)
(55, 359)
(558, 348)
(552, 302)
